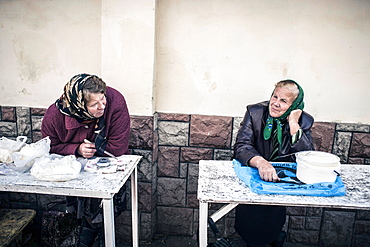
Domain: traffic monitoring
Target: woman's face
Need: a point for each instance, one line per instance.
(280, 101)
(96, 104)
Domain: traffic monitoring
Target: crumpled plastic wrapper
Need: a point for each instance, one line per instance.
(8, 147)
(56, 168)
(27, 155)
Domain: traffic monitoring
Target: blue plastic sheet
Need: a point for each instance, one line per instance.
(289, 184)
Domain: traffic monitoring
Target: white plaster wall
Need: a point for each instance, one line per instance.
(214, 57)
(128, 34)
(209, 57)
(43, 44)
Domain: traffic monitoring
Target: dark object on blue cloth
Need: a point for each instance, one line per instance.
(289, 184)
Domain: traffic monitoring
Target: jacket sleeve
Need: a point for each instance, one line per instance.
(118, 134)
(53, 126)
(244, 148)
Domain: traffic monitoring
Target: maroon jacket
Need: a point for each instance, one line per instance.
(66, 133)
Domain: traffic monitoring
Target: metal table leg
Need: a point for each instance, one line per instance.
(134, 205)
(203, 223)
(108, 211)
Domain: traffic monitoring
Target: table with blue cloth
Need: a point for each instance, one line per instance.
(219, 183)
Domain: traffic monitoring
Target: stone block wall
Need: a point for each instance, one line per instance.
(173, 144)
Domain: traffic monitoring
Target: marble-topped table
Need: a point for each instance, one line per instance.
(218, 183)
(96, 185)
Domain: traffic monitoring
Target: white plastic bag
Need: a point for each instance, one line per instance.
(55, 167)
(7, 147)
(27, 155)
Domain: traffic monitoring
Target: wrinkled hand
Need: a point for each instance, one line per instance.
(293, 119)
(294, 116)
(87, 150)
(266, 171)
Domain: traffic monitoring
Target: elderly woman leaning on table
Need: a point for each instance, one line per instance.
(88, 110)
(270, 131)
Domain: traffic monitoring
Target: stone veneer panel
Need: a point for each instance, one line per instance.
(297, 222)
(168, 161)
(236, 126)
(359, 161)
(173, 133)
(176, 221)
(192, 201)
(304, 237)
(312, 211)
(342, 143)
(146, 202)
(337, 228)
(171, 191)
(8, 113)
(145, 168)
(353, 127)
(36, 136)
(175, 203)
(323, 134)
(123, 228)
(38, 111)
(312, 223)
(193, 155)
(24, 121)
(173, 117)
(141, 132)
(210, 131)
(36, 123)
(193, 178)
(360, 145)
(8, 129)
(222, 154)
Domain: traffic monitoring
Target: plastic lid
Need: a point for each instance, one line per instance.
(318, 158)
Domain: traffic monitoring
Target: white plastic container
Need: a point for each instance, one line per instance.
(317, 167)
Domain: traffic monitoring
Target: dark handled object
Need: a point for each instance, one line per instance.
(220, 241)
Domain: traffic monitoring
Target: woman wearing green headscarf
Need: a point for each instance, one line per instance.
(271, 131)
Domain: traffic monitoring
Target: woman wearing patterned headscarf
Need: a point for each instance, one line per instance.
(271, 131)
(90, 110)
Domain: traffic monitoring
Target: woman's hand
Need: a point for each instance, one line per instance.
(87, 150)
(265, 169)
(293, 119)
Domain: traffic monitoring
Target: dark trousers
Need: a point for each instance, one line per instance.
(259, 225)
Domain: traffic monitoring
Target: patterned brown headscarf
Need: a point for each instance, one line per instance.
(72, 102)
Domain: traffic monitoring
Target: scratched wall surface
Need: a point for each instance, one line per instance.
(43, 44)
(195, 57)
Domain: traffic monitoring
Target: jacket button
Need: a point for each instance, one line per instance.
(86, 126)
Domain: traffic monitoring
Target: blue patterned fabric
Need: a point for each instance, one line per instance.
(289, 184)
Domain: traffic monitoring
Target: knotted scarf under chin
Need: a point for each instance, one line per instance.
(297, 104)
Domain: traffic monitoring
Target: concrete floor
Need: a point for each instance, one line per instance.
(168, 241)
(182, 241)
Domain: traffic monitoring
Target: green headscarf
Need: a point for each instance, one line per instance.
(297, 104)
